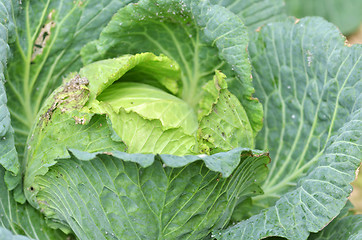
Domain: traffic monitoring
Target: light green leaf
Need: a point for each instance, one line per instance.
(142, 84)
(150, 103)
(150, 136)
(223, 120)
(310, 84)
(255, 13)
(50, 141)
(157, 71)
(22, 218)
(111, 196)
(49, 35)
(345, 14)
(148, 119)
(199, 36)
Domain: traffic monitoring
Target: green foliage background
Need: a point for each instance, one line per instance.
(345, 14)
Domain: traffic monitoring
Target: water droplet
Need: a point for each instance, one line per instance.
(293, 116)
(288, 87)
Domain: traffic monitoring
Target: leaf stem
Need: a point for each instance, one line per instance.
(26, 90)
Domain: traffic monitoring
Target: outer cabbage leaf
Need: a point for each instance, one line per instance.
(136, 196)
(348, 228)
(310, 84)
(7, 235)
(255, 13)
(8, 154)
(199, 36)
(344, 226)
(22, 218)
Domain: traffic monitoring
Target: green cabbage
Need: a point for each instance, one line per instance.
(124, 119)
(177, 137)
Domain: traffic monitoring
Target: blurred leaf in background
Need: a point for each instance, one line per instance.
(346, 14)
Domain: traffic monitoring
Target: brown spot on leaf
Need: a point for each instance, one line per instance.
(50, 15)
(43, 37)
(79, 120)
(43, 202)
(347, 44)
(80, 3)
(70, 97)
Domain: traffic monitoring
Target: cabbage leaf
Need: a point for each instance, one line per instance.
(313, 110)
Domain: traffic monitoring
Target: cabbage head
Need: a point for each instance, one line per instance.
(151, 139)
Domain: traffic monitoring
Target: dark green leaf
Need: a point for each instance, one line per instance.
(125, 196)
(344, 226)
(22, 218)
(310, 84)
(8, 154)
